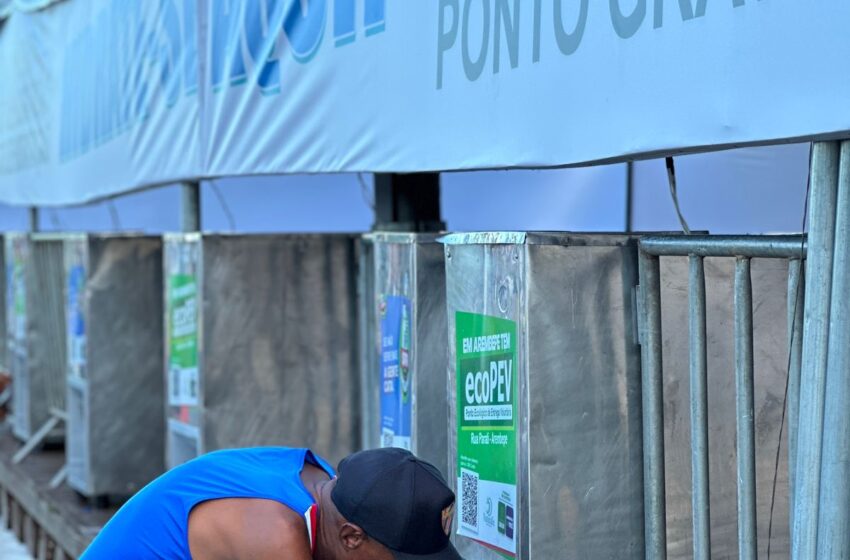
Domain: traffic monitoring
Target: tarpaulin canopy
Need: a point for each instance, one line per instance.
(99, 97)
(8, 6)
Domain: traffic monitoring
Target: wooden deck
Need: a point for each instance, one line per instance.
(53, 524)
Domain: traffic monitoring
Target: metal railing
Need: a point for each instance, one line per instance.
(696, 248)
(821, 527)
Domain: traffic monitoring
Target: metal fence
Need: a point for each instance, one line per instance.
(696, 248)
(821, 527)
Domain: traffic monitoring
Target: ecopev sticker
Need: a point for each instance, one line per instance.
(17, 296)
(395, 312)
(183, 340)
(486, 430)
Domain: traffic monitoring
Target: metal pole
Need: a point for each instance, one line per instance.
(699, 411)
(190, 217)
(655, 517)
(824, 182)
(796, 286)
(34, 221)
(834, 508)
(746, 436)
(766, 246)
(630, 189)
(408, 202)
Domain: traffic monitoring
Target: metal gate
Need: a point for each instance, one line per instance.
(743, 249)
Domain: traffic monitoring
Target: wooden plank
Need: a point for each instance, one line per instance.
(4, 508)
(41, 552)
(59, 512)
(29, 533)
(17, 522)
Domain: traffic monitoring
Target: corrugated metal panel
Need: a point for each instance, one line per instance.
(37, 330)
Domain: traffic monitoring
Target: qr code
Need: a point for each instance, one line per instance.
(469, 506)
(387, 439)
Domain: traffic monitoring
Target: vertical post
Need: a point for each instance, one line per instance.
(833, 528)
(824, 182)
(796, 286)
(652, 403)
(699, 410)
(630, 188)
(408, 202)
(744, 405)
(190, 216)
(35, 226)
(367, 333)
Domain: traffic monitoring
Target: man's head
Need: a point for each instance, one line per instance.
(391, 505)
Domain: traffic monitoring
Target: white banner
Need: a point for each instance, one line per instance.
(104, 96)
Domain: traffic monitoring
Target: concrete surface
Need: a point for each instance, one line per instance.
(11, 548)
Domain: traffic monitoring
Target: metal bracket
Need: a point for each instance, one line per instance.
(56, 416)
(60, 477)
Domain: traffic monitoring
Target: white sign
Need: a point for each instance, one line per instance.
(105, 96)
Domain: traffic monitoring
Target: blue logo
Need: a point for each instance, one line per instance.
(300, 24)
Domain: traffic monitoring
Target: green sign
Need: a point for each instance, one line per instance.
(486, 430)
(19, 295)
(182, 340)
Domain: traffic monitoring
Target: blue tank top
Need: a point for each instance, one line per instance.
(155, 522)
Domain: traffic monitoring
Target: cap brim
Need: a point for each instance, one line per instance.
(448, 553)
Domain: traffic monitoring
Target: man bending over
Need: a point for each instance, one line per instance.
(286, 504)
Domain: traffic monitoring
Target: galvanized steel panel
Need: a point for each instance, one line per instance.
(116, 437)
(579, 450)
(584, 425)
(181, 268)
(47, 319)
(278, 362)
(369, 350)
(412, 266)
(16, 251)
(490, 280)
(77, 450)
(37, 337)
(77, 446)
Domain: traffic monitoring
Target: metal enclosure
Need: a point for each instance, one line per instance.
(577, 409)
(115, 431)
(261, 343)
(36, 330)
(405, 382)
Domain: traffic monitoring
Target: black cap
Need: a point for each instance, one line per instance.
(400, 501)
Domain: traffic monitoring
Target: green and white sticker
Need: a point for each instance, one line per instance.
(183, 340)
(486, 430)
(19, 295)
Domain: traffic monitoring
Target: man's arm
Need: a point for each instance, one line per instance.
(247, 529)
(277, 539)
